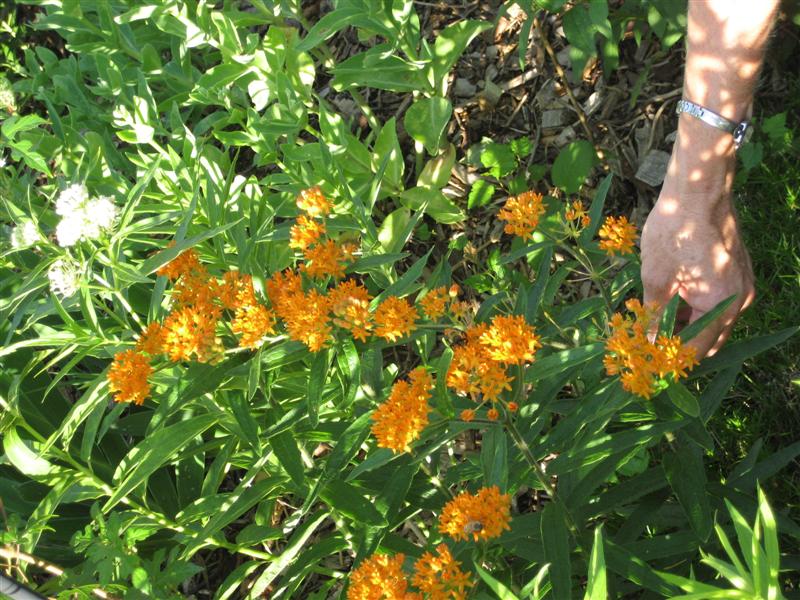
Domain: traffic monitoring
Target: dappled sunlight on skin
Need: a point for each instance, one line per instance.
(690, 244)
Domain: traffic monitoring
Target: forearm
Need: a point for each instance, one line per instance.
(726, 40)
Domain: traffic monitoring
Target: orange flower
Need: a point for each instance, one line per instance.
(305, 233)
(127, 377)
(482, 516)
(513, 407)
(195, 287)
(617, 235)
(638, 361)
(253, 322)
(472, 370)
(440, 576)
(350, 307)
(521, 214)
(191, 331)
(236, 290)
(510, 340)
(400, 420)
(434, 303)
(284, 289)
(395, 318)
(186, 262)
(151, 339)
(308, 321)
(575, 212)
(380, 577)
(492, 414)
(467, 415)
(325, 259)
(313, 202)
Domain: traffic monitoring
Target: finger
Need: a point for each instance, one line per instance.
(728, 328)
(658, 295)
(711, 339)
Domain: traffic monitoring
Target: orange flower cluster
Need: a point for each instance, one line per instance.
(305, 233)
(435, 303)
(306, 314)
(395, 318)
(438, 577)
(189, 331)
(327, 259)
(617, 235)
(636, 359)
(576, 212)
(313, 202)
(127, 377)
(510, 340)
(479, 365)
(350, 307)
(521, 214)
(322, 258)
(380, 577)
(400, 420)
(473, 372)
(481, 516)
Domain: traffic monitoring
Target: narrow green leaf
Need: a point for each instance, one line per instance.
(596, 589)
(348, 500)
(426, 119)
(152, 453)
(556, 542)
(683, 399)
(285, 448)
(500, 590)
(686, 475)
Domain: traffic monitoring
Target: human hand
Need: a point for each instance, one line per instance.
(691, 245)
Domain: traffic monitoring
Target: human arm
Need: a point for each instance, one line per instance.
(691, 244)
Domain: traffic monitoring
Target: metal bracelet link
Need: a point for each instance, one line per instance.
(740, 131)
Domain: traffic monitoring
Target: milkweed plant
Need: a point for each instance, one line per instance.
(241, 357)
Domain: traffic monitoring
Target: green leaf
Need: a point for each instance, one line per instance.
(687, 477)
(573, 165)
(436, 172)
(494, 457)
(14, 124)
(693, 329)
(596, 589)
(152, 453)
(348, 500)
(683, 399)
(285, 448)
(434, 203)
(387, 148)
(154, 263)
(390, 237)
(379, 68)
(499, 159)
(296, 544)
(500, 590)
(316, 382)
(549, 366)
(327, 26)
(737, 352)
(23, 458)
(450, 44)
(425, 121)
(480, 194)
(556, 543)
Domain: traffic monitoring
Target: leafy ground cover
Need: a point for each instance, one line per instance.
(357, 352)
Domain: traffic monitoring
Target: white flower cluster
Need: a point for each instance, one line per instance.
(82, 217)
(24, 234)
(63, 278)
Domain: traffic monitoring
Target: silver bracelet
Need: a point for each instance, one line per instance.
(741, 132)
